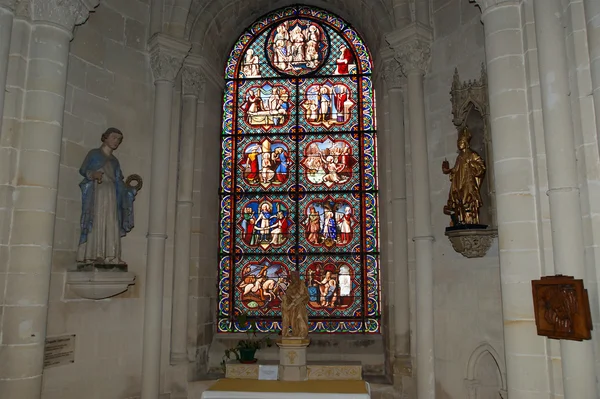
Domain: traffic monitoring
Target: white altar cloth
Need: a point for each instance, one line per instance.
(315, 389)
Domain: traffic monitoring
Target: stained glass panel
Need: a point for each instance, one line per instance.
(265, 106)
(265, 163)
(330, 222)
(330, 162)
(299, 181)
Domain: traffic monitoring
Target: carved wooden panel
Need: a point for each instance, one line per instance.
(562, 309)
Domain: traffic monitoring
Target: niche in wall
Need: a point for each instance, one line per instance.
(470, 109)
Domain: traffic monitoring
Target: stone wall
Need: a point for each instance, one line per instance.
(467, 298)
(109, 84)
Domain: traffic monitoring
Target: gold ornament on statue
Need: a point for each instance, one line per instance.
(294, 313)
(464, 198)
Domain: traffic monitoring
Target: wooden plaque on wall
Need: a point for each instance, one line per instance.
(562, 308)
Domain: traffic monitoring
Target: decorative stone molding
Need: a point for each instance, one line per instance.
(392, 73)
(64, 13)
(467, 94)
(471, 386)
(99, 284)
(193, 80)
(166, 56)
(472, 243)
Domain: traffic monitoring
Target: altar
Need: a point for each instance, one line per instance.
(292, 377)
(259, 389)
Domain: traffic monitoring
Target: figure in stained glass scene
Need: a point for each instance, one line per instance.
(262, 284)
(251, 66)
(328, 162)
(328, 224)
(297, 47)
(107, 203)
(327, 104)
(265, 163)
(266, 106)
(464, 199)
(264, 224)
(329, 285)
(345, 61)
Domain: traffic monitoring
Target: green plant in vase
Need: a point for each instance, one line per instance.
(245, 349)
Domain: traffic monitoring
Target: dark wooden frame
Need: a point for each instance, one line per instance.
(562, 308)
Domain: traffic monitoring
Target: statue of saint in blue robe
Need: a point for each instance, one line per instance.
(107, 209)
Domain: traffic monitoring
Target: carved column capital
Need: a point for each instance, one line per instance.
(412, 47)
(486, 5)
(166, 56)
(392, 74)
(414, 55)
(8, 4)
(193, 78)
(63, 13)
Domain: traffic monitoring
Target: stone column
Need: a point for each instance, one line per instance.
(385, 238)
(579, 377)
(412, 47)
(395, 145)
(6, 22)
(193, 83)
(23, 333)
(422, 12)
(592, 16)
(166, 59)
(402, 15)
(519, 229)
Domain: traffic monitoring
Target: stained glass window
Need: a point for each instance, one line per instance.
(299, 187)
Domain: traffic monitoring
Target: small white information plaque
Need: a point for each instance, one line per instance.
(59, 351)
(268, 372)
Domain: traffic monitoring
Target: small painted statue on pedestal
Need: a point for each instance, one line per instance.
(107, 203)
(293, 309)
(464, 198)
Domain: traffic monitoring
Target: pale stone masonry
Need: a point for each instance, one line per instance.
(453, 327)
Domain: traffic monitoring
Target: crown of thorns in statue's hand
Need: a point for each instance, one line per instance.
(138, 182)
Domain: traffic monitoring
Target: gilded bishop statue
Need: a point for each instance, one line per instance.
(464, 198)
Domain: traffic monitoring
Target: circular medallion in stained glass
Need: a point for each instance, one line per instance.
(297, 47)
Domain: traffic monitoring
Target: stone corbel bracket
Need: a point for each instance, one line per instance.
(99, 284)
(472, 243)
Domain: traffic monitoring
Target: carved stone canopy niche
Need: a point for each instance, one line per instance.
(470, 109)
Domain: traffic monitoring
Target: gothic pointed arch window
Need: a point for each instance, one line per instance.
(298, 175)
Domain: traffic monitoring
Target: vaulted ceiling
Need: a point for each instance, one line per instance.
(213, 26)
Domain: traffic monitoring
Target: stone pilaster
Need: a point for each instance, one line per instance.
(412, 47)
(577, 358)
(395, 144)
(192, 87)
(519, 229)
(32, 232)
(166, 59)
(592, 16)
(7, 8)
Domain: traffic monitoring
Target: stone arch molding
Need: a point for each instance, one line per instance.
(472, 383)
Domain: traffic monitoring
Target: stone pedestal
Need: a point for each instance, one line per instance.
(99, 281)
(292, 359)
